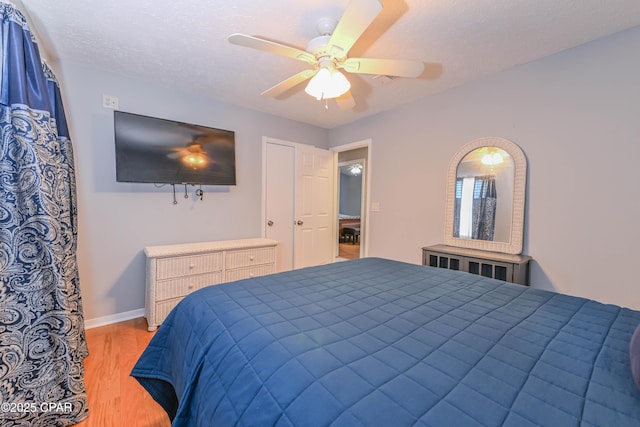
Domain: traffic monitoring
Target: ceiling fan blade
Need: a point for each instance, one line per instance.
(346, 101)
(357, 17)
(271, 47)
(289, 83)
(383, 67)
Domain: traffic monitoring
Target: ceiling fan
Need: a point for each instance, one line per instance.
(327, 54)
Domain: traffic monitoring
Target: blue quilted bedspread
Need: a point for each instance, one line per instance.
(374, 342)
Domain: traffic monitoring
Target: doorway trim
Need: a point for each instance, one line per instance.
(366, 210)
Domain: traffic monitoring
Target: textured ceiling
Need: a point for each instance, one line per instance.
(184, 44)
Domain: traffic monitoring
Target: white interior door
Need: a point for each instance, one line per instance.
(313, 207)
(279, 201)
(298, 203)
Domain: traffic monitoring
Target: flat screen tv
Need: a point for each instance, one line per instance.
(163, 151)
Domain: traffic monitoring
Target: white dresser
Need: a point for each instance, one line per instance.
(174, 271)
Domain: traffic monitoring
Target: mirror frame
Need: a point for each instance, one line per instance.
(519, 188)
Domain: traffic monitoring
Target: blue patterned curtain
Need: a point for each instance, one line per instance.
(42, 342)
(456, 207)
(482, 215)
(485, 199)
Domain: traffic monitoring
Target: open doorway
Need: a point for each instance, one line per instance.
(352, 184)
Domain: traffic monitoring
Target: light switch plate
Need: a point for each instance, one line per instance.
(109, 101)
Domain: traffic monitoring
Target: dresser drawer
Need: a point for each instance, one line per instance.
(179, 287)
(162, 310)
(247, 272)
(174, 271)
(248, 257)
(167, 268)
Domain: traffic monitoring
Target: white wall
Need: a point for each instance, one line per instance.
(350, 194)
(576, 117)
(574, 111)
(117, 220)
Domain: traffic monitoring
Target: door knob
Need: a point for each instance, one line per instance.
(299, 222)
(270, 223)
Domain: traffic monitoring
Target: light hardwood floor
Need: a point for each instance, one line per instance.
(349, 251)
(115, 398)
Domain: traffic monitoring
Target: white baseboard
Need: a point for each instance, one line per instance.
(113, 318)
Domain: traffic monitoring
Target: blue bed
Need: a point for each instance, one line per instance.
(374, 342)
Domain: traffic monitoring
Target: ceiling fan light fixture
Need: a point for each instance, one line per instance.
(327, 83)
(329, 52)
(492, 159)
(355, 169)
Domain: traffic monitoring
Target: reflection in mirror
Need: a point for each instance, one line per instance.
(486, 184)
(484, 195)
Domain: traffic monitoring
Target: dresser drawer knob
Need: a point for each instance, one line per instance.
(251, 258)
(192, 266)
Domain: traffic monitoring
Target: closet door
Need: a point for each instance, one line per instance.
(279, 201)
(314, 206)
(298, 203)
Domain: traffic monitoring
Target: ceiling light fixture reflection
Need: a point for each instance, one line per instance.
(196, 158)
(492, 159)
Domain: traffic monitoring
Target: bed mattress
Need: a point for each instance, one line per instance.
(375, 342)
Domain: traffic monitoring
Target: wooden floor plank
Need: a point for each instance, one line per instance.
(116, 398)
(349, 250)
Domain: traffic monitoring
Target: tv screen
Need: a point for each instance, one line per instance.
(163, 151)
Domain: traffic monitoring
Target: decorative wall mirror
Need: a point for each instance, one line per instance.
(485, 196)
